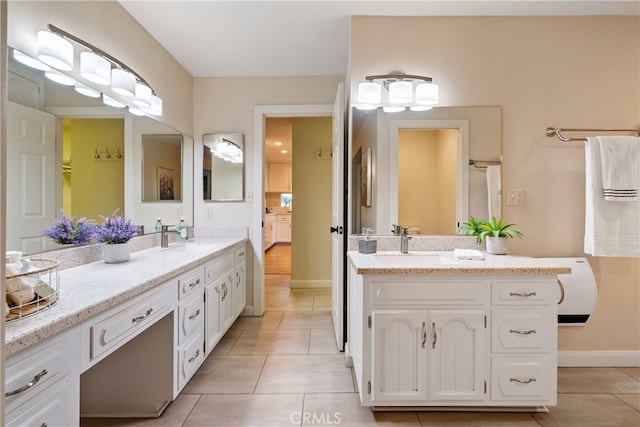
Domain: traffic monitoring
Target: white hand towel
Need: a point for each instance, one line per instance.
(19, 291)
(611, 229)
(494, 191)
(467, 254)
(619, 159)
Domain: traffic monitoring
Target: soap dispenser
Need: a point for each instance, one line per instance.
(183, 231)
(367, 245)
(158, 225)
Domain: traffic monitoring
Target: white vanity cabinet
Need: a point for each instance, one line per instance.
(239, 281)
(283, 228)
(42, 383)
(453, 340)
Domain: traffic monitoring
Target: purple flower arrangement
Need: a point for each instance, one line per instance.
(116, 229)
(71, 230)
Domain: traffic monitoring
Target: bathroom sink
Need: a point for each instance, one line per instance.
(414, 260)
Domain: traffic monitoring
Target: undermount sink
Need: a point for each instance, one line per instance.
(413, 259)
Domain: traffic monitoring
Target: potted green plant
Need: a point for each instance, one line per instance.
(472, 228)
(497, 232)
(70, 231)
(115, 233)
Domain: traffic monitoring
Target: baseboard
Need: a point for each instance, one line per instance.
(247, 311)
(304, 284)
(617, 359)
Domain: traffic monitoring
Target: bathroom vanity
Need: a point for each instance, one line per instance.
(431, 331)
(124, 339)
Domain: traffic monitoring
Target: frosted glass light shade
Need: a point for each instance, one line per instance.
(29, 61)
(55, 51)
(156, 106)
(369, 93)
(421, 107)
(393, 109)
(59, 78)
(142, 97)
(95, 68)
(123, 82)
(136, 111)
(427, 94)
(86, 90)
(107, 100)
(400, 92)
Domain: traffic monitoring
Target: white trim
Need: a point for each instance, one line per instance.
(307, 284)
(256, 235)
(623, 358)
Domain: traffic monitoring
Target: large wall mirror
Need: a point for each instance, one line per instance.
(223, 167)
(428, 169)
(70, 152)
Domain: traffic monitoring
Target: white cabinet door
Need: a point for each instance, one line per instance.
(239, 288)
(226, 300)
(457, 355)
(279, 178)
(213, 328)
(284, 231)
(399, 357)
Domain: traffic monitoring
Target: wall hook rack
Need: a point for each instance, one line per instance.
(322, 153)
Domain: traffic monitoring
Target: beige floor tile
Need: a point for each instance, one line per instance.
(175, 415)
(479, 419)
(322, 303)
(305, 374)
(226, 343)
(226, 374)
(269, 320)
(267, 341)
(344, 409)
(580, 410)
(632, 400)
(634, 372)
(595, 380)
(306, 320)
(323, 341)
(246, 410)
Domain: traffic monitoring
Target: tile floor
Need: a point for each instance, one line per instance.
(283, 369)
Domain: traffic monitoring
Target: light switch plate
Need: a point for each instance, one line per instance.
(515, 197)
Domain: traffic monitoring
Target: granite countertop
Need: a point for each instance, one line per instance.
(444, 263)
(89, 289)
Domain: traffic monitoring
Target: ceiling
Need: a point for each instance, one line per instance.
(303, 37)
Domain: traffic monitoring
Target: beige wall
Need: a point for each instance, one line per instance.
(542, 71)
(311, 219)
(106, 25)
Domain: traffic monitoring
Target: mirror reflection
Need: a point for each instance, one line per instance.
(429, 168)
(161, 167)
(70, 152)
(223, 167)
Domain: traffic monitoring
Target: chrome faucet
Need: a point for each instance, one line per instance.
(404, 240)
(164, 235)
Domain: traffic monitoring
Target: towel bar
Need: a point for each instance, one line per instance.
(556, 132)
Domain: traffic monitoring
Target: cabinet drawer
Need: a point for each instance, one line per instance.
(214, 268)
(523, 379)
(121, 325)
(525, 293)
(240, 255)
(190, 282)
(57, 407)
(283, 218)
(523, 330)
(190, 357)
(411, 293)
(37, 371)
(190, 316)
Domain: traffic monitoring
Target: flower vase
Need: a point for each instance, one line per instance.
(113, 253)
(497, 245)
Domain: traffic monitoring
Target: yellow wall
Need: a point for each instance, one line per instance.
(311, 219)
(543, 71)
(97, 185)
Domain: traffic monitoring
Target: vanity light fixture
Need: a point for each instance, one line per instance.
(59, 78)
(85, 90)
(226, 150)
(123, 82)
(107, 100)
(418, 93)
(55, 51)
(142, 96)
(95, 68)
(29, 61)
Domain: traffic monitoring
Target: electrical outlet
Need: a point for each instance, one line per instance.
(209, 213)
(515, 197)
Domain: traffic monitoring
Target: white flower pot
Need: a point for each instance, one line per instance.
(497, 245)
(114, 253)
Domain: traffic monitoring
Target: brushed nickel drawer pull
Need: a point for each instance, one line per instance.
(527, 332)
(193, 284)
(522, 294)
(27, 386)
(238, 276)
(435, 335)
(526, 381)
(194, 315)
(195, 356)
(424, 334)
(144, 316)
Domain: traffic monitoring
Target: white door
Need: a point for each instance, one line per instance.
(337, 220)
(31, 174)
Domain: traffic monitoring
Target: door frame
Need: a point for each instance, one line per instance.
(261, 112)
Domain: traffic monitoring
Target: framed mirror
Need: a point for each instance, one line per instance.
(223, 167)
(161, 167)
